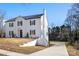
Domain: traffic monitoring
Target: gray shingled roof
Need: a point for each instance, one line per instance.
(26, 17)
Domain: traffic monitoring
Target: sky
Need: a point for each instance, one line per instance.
(56, 12)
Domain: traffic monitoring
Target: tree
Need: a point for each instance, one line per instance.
(64, 32)
(54, 33)
(2, 14)
(50, 31)
(72, 20)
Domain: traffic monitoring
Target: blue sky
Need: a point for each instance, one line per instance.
(56, 12)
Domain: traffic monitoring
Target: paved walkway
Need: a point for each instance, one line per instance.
(58, 49)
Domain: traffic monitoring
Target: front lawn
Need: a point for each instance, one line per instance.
(2, 55)
(71, 50)
(12, 44)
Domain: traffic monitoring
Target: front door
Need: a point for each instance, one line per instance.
(21, 33)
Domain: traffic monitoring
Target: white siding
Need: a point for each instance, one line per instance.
(25, 27)
(40, 27)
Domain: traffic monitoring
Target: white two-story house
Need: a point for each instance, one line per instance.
(34, 26)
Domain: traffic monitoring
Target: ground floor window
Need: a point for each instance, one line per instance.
(32, 32)
(11, 33)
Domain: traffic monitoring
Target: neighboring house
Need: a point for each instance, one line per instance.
(34, 26)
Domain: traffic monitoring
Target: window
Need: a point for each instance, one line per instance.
(11, 33)
(11, 24)
(19, 23)
(32, 22)
(32, 32)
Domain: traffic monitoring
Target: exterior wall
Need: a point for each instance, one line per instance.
(7, 29)
(45, 24)
(44, 27)
(25, 27)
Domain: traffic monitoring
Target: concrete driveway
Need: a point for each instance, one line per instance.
(59, 49)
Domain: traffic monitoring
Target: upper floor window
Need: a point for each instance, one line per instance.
(19, 23)
(11, 24)
(32, 22)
